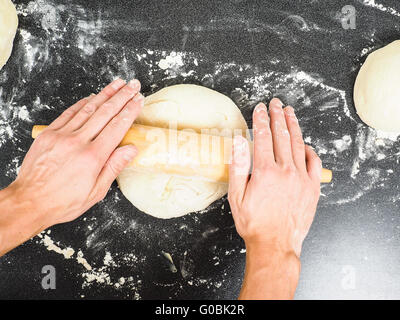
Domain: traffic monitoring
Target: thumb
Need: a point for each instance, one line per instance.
(314, 165)
(239, 170)
(118, 160)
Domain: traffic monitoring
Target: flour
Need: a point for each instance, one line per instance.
(88, 35)
(381, 7)
(53, 246)
(46, 12)
(172, 61)
(81, 260)
(356, 153)
(343, 144)
(93, 275)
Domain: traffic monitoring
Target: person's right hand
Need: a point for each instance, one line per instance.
(73, 162)
(276, 206)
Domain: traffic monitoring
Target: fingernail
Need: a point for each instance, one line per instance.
(117, 83)
(290, 112)
(134, 84)
(260, 107)
(261, 112)
(276, 102)
(138, 97)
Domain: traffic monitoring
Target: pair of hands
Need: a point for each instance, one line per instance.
(73, 163)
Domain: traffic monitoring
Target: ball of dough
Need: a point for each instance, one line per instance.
(377, 89)
(191, 106)
(8, 28)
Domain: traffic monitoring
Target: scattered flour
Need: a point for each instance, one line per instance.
(173, 61)
(52, 246)
(381, 7)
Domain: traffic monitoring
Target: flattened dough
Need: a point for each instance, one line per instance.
(8, 28)
(377, 89)
(194, 107)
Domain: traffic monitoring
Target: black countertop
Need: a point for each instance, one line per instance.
(250, 51)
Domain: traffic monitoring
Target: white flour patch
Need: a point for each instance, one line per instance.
(381, 7)
(81, 260)
(173, 61)
(88, 35)
(318, 82)
(95, 275)
(45, 11)
(50, 245)
(342, 144)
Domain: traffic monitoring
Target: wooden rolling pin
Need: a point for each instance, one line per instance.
(183, 152)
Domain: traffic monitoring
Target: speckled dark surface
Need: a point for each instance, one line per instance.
(250, 51)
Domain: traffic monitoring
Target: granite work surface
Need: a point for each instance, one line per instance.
(251, 51)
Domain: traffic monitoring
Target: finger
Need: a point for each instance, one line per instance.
(69, 113)
(263, 147)
(314, 165)
(111, 136)
(82, 116)
(108, 110)
(296, 138)
(239, 170)
(280, 133)
(118, 160)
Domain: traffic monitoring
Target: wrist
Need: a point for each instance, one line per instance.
(274, 249)
(273, 246)
(271, 272)
(266, 254)
(27, 205)
(20, 220)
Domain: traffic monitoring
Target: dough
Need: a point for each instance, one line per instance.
(8, 28)
(377, 89)
(195, 107)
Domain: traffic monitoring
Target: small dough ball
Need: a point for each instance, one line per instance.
(8, 28)
(190, 107)
(377, 89)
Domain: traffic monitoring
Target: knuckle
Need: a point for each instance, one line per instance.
(115, 122)
(289, 170)
(298, 141)
(91, 156)
(68, 113)
(115, 166)
(89, 108)
(259, 173)
(108, 91)
(72, 140)
(127, 90)
(46, 136)
(108, 109)
(262, 168)
(107, 106)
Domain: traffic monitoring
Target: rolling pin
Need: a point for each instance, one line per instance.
(181, 152)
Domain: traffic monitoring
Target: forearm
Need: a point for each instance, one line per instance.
(19, 221)
(270, 274)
